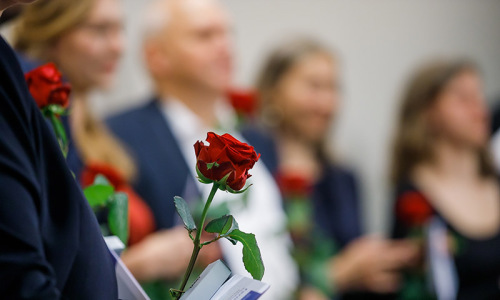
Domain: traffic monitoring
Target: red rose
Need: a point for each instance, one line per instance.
(93, 169)
(140, 216)
(243, 101)
(46, 86)
(225, 155)
(294, 184)
(413, 209)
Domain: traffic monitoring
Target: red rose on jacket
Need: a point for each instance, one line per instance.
(225, 155)
(46, 86)
(294, 184)
(141, 219)
(243, 101)
(413, 209)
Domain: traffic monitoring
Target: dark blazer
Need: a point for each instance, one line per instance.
(162, 170)
(336, 205)
(50, 244)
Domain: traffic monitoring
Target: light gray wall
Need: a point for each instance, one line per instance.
(378, 41)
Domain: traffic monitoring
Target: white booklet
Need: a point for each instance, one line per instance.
(128, 287)
(217, 283)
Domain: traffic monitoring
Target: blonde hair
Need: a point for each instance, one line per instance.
(42, 23)
(412, 144)
(38, 28)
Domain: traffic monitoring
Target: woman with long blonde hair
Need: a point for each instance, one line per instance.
(442, 170)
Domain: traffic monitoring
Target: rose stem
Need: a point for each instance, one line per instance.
(197, 239)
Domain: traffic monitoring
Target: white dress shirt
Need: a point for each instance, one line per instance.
(262, 216)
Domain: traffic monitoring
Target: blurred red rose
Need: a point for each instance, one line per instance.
(294, 184)
(141, 219)
(225, 155)
(243, 101)
(93, 169)
(413, 209)
(46, 86)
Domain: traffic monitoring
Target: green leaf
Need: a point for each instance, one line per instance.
(251, 253)
(229, 189)
(98, 194)
(183, 211)
(223, 225)
(233, 241)
(118, 216)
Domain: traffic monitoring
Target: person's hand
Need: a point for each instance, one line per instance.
(209, 253)
(373, 264)
(310, 293)
(161, 255)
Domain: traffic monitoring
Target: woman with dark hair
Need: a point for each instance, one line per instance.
(442, 169)
(299, 97)
(50, 243)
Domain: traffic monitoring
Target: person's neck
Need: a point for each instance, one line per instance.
(79, 109)
(298, 156)
(200, 101)
(455, 161)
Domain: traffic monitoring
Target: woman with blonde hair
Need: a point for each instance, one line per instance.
(84, 39)
(442, 170)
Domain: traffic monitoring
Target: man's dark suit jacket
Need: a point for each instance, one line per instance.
(50, 243)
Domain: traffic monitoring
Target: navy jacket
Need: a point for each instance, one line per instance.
(50, 244)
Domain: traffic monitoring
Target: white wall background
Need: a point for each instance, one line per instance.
(379, 42)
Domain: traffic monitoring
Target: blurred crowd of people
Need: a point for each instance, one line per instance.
(304, 204)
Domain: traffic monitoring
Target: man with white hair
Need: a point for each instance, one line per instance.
(187, 49)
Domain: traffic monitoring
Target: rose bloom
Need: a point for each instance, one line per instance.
(243, 101)
(413, 209)
(225, 155)
(46, 86)
(294, 184)
(140, 216)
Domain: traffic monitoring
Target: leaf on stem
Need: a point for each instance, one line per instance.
(98, 194)
(183, 210)
(223, 225)
(252, 258)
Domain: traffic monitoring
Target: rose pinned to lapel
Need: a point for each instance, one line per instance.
(93, 169)
(51, 95)
(294, 184)
(46, 86)
(225, 160)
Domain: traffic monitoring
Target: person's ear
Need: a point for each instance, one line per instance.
(156, 59)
